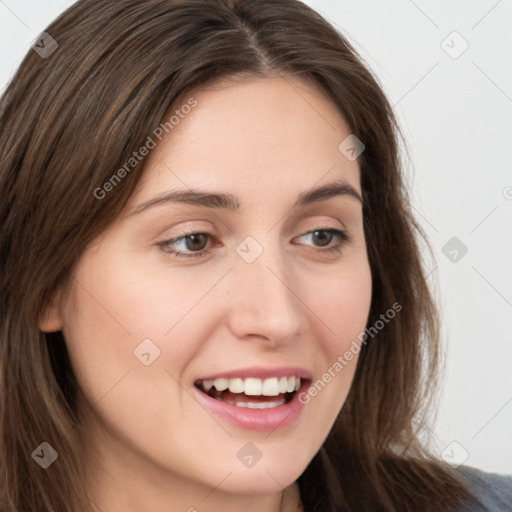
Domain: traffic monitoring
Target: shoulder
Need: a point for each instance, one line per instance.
(492, 490)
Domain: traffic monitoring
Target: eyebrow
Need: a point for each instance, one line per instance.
(225, 201)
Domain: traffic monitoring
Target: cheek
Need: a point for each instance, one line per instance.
(106, 319)
(117, 312)
(342, 307)
(342, 301)
(130, 299)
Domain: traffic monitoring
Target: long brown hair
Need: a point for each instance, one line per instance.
(71, 119)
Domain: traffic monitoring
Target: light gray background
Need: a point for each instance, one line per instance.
(456, 117)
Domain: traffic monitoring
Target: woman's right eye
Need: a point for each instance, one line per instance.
(194, 242)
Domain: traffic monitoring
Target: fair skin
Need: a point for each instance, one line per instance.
(265, 141)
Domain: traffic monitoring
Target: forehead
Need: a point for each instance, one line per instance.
(259, 132)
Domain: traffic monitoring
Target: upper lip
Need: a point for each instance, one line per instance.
(260, 372)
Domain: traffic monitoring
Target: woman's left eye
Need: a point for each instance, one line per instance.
(326, 236)
(195, 243)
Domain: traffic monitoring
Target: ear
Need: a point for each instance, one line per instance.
(51, 318)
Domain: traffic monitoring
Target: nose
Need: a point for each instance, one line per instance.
(264, 300)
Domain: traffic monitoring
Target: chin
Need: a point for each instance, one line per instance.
(265, 476)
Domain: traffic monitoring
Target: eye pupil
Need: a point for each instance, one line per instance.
(325, 237)
(198, 242)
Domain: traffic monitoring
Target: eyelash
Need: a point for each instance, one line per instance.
(342, 237)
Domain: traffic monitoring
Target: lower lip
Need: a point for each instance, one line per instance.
(255, 419)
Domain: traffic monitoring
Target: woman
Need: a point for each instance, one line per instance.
(212, 296)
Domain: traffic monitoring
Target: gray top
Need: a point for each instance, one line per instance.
(494, 491)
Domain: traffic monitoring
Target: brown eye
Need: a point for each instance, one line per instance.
(187, 245)
(195, 242)
(324, 238)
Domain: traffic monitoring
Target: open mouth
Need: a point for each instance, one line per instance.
(251, 392)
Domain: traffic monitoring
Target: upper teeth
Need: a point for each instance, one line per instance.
(253, 386)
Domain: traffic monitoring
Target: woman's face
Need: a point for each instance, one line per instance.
(266, 290)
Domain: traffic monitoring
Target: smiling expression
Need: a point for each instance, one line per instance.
(241, 260)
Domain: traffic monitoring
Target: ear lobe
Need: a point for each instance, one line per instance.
(50, 319)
